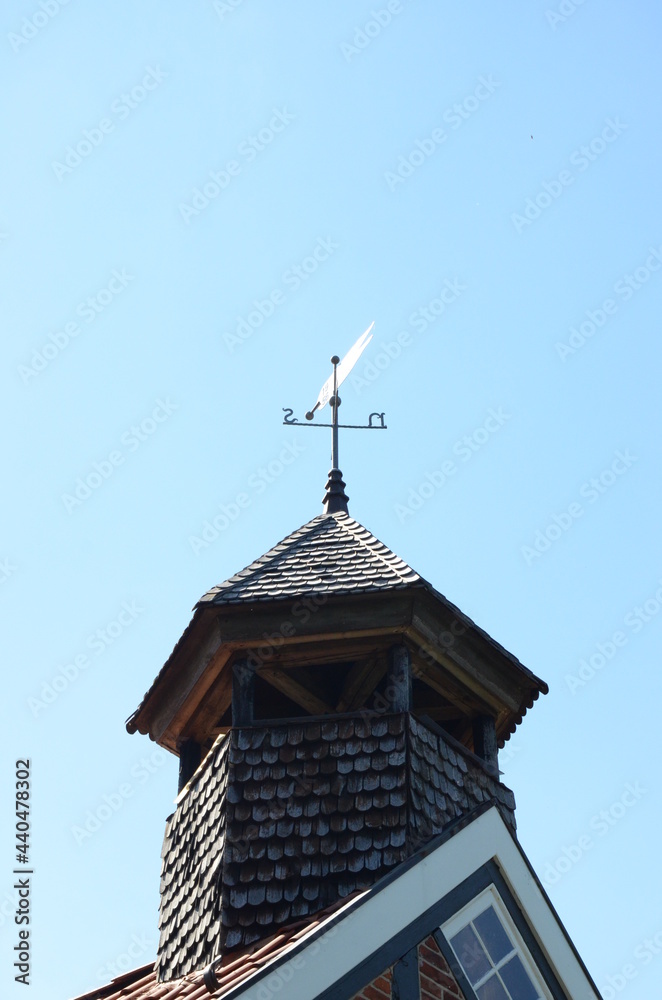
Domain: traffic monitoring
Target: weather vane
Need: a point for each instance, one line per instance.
(329, 394)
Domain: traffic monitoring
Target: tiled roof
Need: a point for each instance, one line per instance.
(281, 821)
(332, 554)
(230, 972)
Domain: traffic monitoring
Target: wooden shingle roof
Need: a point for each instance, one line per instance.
(364, 589)
(332, 554)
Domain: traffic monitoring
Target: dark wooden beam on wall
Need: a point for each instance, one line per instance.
(337, 618)
(328, 650)
(243, 694)
(442, 713)
(406, 982)
(398, 679)
(485, 741)
(190, 754)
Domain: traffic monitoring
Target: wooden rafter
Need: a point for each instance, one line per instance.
(441, 681)
(283, 681)
(360, 682)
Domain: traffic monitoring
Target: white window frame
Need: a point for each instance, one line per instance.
(490, 897)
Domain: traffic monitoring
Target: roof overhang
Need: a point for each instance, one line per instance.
(194, 687)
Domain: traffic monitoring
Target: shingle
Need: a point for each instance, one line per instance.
(192, 860)
(377, 789)
(331, 554)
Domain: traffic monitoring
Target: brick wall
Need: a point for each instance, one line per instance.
(379, 989)
(436, 980)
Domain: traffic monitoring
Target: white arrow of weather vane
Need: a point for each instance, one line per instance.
(341, 371)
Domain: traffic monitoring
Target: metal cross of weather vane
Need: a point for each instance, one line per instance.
(329, 394)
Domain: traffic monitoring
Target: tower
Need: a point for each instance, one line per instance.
(340, 829)
(337, 722)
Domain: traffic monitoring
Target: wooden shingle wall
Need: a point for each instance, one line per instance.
(281, 821)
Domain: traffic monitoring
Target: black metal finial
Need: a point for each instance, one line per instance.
(335, 499)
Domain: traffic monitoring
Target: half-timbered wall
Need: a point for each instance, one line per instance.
(433, 979)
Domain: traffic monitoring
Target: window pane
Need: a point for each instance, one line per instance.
(492, 990)
(517, 980)
(493, 935)
(471, 954)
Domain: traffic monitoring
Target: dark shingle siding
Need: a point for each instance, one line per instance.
(324, 828)
(191, 870)
(446, 784)
(281, 821)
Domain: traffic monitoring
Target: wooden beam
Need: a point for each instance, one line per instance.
(337, 617)
(455, 665)
(485, 742)
(360, 682)
(329, 650)
(203, 715)
(243, 694)
(398, 679)
(284, 682)
(453, 646)
(214, 635)
(439, 679)
(406, 979)
(464, 733)
(193, 692)
(190, 754)
(442, 713)
(186, 684)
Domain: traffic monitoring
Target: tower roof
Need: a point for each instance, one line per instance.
(362, 597)
(332, 554)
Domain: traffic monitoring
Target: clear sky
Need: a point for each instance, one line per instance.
(200, 204)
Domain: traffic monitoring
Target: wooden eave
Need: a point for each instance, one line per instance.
(217, 634)
(485, 666)
(194, 687)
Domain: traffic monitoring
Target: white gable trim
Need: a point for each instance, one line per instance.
(368, 922)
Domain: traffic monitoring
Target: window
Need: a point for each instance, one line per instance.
(491, 953)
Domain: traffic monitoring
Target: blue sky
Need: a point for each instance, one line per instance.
(200, 204)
